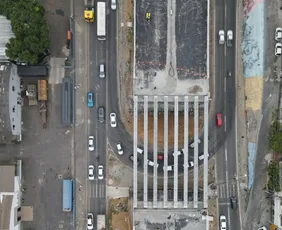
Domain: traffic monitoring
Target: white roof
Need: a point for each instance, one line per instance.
(5, 34)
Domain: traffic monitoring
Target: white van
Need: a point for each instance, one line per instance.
(202, 157)
(102, 71)
(151, 163)
(169, 168)
(140, 151)
(193, 144)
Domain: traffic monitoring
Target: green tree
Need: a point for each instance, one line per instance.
(275, 137)
(273, 176)
(30, 28)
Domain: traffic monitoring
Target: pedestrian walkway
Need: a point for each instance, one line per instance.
(226, 190)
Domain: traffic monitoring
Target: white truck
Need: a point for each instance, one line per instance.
(101, 20)
(229, 38)
(101, 222)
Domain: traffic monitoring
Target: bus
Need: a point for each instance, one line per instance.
(101, 20)
(67, 195)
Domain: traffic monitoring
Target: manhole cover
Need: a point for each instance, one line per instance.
(60, 176)
(61, 226)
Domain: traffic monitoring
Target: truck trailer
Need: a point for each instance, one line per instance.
(67, 195)
(101, 222)
(101, 20)
(89, 10)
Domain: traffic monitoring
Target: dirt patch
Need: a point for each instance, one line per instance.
(212, 211)
(119, 215)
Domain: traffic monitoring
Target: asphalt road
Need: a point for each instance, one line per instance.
(225, 99)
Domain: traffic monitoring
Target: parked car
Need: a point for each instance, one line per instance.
(102, 71)
(262, 228)
(278, 49)
(90, 99)
(169, 168)
(119, 148)
(223, 223)
(278, 33)
(221, 37)
(113, 120)
(91, 172)
(100, 172)
(91, 143)
(90, 221)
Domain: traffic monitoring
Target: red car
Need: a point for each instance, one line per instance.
(160, 157)
(218, 119)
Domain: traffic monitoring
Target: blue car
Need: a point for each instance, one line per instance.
(90, 99)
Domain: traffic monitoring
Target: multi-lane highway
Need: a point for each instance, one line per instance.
(225, 103)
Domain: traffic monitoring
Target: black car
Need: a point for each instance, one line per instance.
(132, 159)
(233, 201)
(101, 114)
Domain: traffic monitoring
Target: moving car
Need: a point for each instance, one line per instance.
(91, 172)
(90, 100)
(152, 163)
(262, 228)
(190, 164)
(221, 37)
(193, 144)
(90, 221)
(113, 120)
(148, 16)
(169, 168)
(223, 223)
(91, 143)
(278, 33)
(278, 49)
(113, 4)
(102, 71)
(201, 157)
(100, 172)
(101, 114)
(233, 202)
(160, 157)
(119, 148)
(132, 159)
(218, 119)
(229, 74)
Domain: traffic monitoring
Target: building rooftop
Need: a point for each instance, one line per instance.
(32, 71)
(5, 34)
(169, 219)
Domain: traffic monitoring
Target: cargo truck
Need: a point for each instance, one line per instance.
(67, 195)
(229, 38)
(101, 20)
(89, 10)
(101, 222)
(42, 97)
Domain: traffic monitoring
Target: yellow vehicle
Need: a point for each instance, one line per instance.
(89, 10)
(148, 16)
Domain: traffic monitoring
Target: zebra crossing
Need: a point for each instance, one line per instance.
(226, 190)
(97, 190)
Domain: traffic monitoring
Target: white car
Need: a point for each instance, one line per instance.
(113, 120)
(113, 4)
(193, 144)
(91, 143)
(221, 37)
(190, 164)
(223, 223)
(278, 49)
(91, 172)
(100, 172)
(229, 35)
(278, 34)
(90, 221)
(119, 148)
(262, 228)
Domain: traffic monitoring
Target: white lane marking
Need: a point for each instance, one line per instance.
(225, 51)
(224, 204)
(225, 155)
(225, 85)
(225, 123)
(225, 10)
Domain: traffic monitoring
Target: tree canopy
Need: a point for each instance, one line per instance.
(29, 27)
(273, 176)
(275, 137)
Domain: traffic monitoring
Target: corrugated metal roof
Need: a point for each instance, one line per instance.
(5, 34)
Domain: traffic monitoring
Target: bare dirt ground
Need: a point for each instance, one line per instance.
(119, 216)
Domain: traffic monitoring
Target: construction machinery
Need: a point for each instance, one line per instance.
(89, 10)
(42, 97)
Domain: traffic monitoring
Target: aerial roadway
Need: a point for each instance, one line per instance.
(225, 101)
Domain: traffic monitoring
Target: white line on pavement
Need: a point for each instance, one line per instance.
(225, 155)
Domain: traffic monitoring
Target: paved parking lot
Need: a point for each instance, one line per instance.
(46, 156)
(191, 38)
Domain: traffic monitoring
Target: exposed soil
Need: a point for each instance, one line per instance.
(119, 215)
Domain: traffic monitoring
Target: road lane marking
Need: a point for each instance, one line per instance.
(225, 85)
(225, 123)
(224, 203)
(225, 155)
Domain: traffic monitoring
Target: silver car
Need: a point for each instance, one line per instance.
(113, 4)
(91, 143)
(100, 172)
(221, 37)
